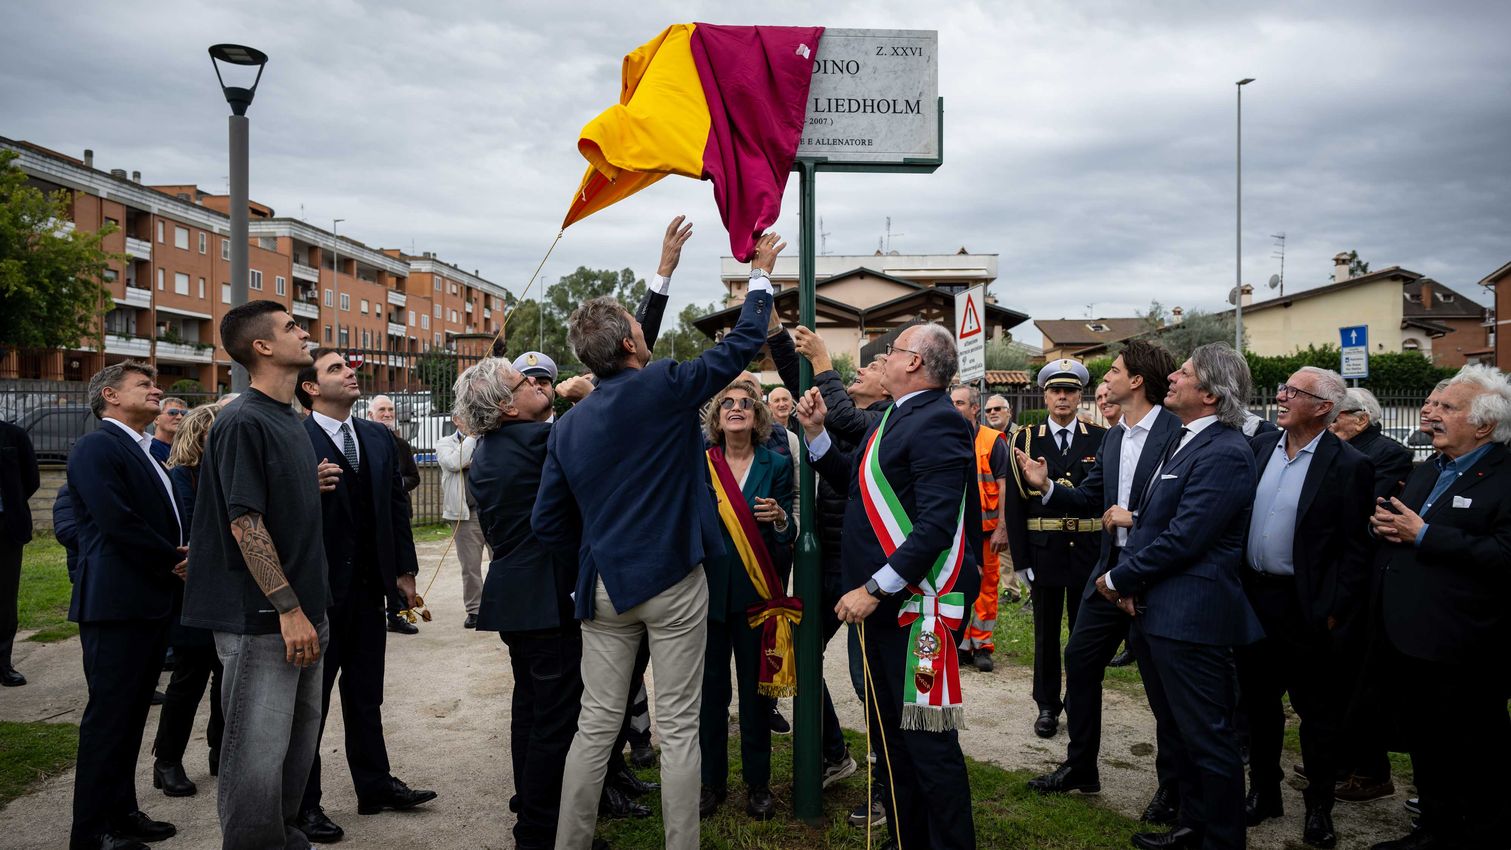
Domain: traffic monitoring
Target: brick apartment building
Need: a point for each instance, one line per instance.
(175, 282)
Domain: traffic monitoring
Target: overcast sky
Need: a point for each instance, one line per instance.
(1090, 145)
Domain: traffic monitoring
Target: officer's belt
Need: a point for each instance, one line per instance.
(1071, 524)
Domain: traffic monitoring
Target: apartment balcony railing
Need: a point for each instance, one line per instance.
(304, 272)
(128, 346)
(192, 352)
(396, 329)
(138, 297)
(139, 249)
(397, 298)
(306, 309)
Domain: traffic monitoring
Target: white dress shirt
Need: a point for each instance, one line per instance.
(333, 428)
(145, 442)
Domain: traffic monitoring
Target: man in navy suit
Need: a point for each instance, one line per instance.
(370, 554)
(131, 543)
(922, 491)
(19, 479)
(1137, 381)
(625, 486)
(1179, 578)
(1306, 574)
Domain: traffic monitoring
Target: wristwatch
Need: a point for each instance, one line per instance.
(875, 589)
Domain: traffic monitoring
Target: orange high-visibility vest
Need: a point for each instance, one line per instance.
(986, 440)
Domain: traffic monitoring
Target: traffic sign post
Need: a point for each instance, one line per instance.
(1354, 363)
(970, 337)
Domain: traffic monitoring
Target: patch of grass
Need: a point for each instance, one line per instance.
(1006, 813)
(432, 532)
(31, 753)
(1014, 644)
(45, 591)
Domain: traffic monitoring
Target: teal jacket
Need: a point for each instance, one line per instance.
(729, 589)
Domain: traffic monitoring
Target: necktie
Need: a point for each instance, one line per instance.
(1064, 438)
(1175, 444)
(349, 447)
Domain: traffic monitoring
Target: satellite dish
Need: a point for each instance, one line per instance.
(1233, 296)
(1274, 281)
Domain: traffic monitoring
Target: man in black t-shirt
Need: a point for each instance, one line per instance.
(257, 578)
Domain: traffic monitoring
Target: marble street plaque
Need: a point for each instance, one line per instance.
(874, 98)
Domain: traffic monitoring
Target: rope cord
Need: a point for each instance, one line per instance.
(886, 753)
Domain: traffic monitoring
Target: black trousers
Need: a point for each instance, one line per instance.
(1191, 690)
(547, 669)
(833, 734)
(122, 661)
(1050, 604)
(1100, 628)
(10, 591)
(932, 790)
(1294, 659)
(733, 636)
(194, 667)
(355, 656)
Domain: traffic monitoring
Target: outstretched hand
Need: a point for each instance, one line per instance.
(766, 250)
(811, 411)
(677, 234)
(1035, 472)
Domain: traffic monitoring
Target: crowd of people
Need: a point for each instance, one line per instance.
(652, 526)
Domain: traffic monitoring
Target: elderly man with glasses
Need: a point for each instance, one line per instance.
(165, 427)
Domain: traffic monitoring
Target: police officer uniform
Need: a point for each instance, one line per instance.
(1055, 550)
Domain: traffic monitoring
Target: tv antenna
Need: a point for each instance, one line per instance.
(823, 237)
(890, 234)
(1278, 280)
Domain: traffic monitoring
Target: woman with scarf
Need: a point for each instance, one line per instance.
(750, 614)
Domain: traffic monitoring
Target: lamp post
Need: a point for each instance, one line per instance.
(239, 97)
(336, 279)
(1238, 232)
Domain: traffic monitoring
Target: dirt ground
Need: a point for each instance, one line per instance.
(446, 713)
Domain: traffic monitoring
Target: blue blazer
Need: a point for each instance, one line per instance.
(66, 532)
(729, 589)
(1102, 482)
(928, 454)
(392, 539)
(127, 532)
(1187, 544)
(625, 484)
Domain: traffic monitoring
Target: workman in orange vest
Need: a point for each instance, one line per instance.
(992, 470)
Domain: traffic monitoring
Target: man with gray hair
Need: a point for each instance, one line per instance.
(1179, 580)
(1445, 561)
(1359, 424)
(1307, 573)
(640, 561)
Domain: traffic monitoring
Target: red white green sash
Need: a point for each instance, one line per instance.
(776, 613)
(931, 689)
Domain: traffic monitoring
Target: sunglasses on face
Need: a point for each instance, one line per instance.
(176, 411)
(995, 409)
(730, 403)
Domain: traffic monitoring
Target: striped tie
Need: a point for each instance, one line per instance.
(349, 447)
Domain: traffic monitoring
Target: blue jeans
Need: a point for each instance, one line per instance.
(272, 714)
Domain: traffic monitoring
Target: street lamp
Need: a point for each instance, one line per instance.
(236, 58)
(336, 278)
(1238, 232)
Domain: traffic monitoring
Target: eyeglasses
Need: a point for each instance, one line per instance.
(729, 403)
(523, 379)
(1286, 392)
(176, 411)
(995, 409)
(891, 348)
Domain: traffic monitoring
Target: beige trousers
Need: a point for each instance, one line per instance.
(469, 550)
(677, 624)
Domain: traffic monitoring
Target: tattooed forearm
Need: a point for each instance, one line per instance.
(261, 555)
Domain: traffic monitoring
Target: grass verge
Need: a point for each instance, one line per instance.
(432, 532)
(45, 591)
(31, 753)
(1006, 813)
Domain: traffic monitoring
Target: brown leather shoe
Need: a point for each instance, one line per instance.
(1359, 789)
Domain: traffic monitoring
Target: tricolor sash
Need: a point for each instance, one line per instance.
(776, 613)
(931, 702)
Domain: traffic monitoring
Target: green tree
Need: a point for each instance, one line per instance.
(1003, 353)
(1198, 329)
(844, 364)
(685, 341)
(541, 324)
(51, 285)
(437, 369)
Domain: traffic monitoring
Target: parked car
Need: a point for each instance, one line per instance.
(54, 429)
(1419, 441)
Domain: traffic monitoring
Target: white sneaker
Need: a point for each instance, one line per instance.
(837, 770)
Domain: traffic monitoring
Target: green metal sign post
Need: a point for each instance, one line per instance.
(807, 745)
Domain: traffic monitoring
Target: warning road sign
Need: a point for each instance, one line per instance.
(970, 342)
(970, 321)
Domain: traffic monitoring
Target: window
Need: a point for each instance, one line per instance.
(425, 321)
(455, 317)
(437, 311)
(267, 243)
(438, 284)
(225, 293)
(225, 249)
(438, 338)
(181, 237)
(201, 287)
(346, 302)
(159, 280)
(327, 333)
(345, 337)
(181, 283)
(204, 242)
(255, 280)
(364, 306)
(366, 339)
(280, 285)
(159, 232)
(329, 300)
(108, 275)
(411, 317)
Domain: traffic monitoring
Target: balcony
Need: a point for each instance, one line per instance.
(306, 309)
(397, 298)
(138, 297)
(138, 249)
(191, 352)
(304, 272)
(469, 306)
(128, 346)
(487, 313)
(396, 329)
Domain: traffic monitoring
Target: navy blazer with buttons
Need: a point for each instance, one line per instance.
(625, 484)
(127, 531)
(1187, 543)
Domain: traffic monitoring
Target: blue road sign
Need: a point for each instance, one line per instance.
(1355, 356)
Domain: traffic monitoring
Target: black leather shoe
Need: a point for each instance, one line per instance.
(470, 622)
(1184, 838)
(317, 827)
(1047, 724)
(1063, 781)
(709, 801)
(617, 804)
(399, 797)
(983, 661)
(138, 827)
(1164, 808)
(1122, 659)
(215, 761)
(1319, 829)
(642, 756)
(11, 679)
(114, 842)
(400, 626)
(759, 804)
(170, 777)
(1260, 806)
(625, 780)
